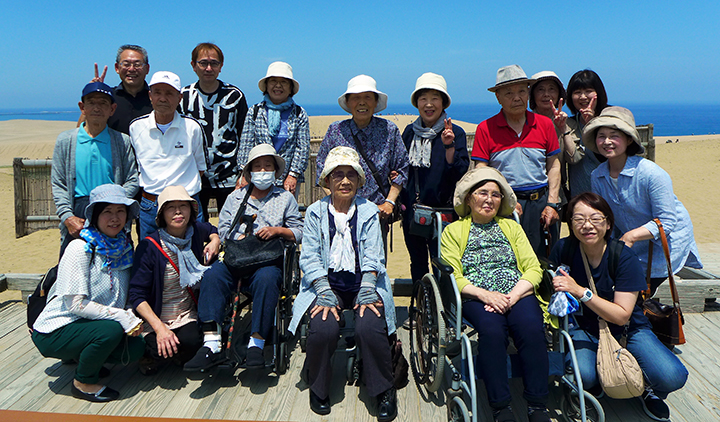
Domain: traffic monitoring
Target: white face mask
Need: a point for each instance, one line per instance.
(262, 179)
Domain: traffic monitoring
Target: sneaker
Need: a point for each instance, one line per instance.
(504, 414)
(255, 358)
(538, 414)
(654, 406)
(204, 359)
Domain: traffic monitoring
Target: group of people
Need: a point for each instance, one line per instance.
(158, 152)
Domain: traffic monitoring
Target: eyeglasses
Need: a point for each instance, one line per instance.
(281, 82)
(595, 220)
(484, 194)
(212, 63)
(338, 175)
(127, 65)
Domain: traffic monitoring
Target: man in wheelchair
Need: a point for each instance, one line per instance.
(276, 215)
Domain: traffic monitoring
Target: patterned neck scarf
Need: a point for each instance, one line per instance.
(118, 251)
(274, 111)
(421, 146)
(191, 271)
(342, 252)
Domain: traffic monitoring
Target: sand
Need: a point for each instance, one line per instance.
(693, 163)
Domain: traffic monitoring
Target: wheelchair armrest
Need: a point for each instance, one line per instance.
(442, 265)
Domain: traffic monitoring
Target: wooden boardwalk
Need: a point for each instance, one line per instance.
(29, 382)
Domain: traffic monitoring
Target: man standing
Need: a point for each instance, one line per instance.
(169, 148)
(220, 109)
(89, 156)
(524, 147)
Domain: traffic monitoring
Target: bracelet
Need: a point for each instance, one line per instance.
(449, 146)
(555, 206)
(390, 201)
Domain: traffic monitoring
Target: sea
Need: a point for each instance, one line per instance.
(668, 119)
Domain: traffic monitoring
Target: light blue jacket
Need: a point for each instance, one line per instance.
(314, 256)
(645, 192)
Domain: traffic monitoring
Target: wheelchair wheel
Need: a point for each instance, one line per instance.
(303, 336)
(457, 410)
(570, 407)
(350, 370)
(427, 336)
(282, 361)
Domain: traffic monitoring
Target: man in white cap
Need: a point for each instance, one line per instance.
(169, 147)
(524, 147)
(220, 108)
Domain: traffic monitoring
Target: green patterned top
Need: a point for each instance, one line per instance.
(489, 261)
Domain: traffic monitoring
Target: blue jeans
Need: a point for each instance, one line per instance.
(663, 371)
(218, 285)
(525, 323)
(148, 212)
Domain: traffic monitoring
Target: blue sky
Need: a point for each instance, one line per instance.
(645, 51)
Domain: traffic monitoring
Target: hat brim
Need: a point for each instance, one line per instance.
(434, 87)
(475, 176)
(588, 135)
(327, 170)
(279, 163)
(380, 106)
(529, 81)
(133, 209)
(262, 83)
(192, 202)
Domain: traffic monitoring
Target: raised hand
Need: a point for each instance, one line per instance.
(589, 112)
(98, 77)
(560, 117)
(448, 136)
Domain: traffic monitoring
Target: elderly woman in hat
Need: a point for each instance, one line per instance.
(168, 265)
(377, 141)
(85, 317)
(497, 273)
(344, 268)
(438, 159)
(547, 96)
(279, 122)
(638, 191)
(277, 215)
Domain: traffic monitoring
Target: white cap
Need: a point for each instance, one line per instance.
(165, 77)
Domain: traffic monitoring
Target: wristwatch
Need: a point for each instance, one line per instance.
(553, 205)
(586, 296)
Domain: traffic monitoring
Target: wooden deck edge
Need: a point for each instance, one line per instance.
(25, 416)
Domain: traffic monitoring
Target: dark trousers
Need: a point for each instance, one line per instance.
(91, 343)
(207, 192)
(525, 323)
(218, 285)
(533, 228)
(189, 336)
(371, 336)
(420, 249)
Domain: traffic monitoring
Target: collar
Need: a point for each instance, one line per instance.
(629, 170)
(501, 121)
(174, 123)
(355, 129)
(120, 89)
(84, 137)
(196, 85)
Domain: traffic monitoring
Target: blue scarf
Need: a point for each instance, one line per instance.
(190, 269)
(274, 111)
(118, 251)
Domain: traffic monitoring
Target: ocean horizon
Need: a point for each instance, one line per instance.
(667, 119)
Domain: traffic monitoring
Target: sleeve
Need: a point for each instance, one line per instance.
(556, 252)
(327, 141)
(293, 219)
(629, 276)
(401, 161)
(73, 275)
(200, 146)
(247, 139)
(461, 160)
(373, 251)
(451, 252)
(579, 151)
(661, 196)
(527, 261)
(141, 278)
(311, 252)
(58, 178)
(553, 146)
(80, 306)
(481, 144)
(227, 213)
(302, 148)
(241, 113)
(131, 183)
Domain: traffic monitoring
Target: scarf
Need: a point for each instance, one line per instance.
(274, 111)
(421, 146)
(342, 252)
(118, 251)
(191, 271)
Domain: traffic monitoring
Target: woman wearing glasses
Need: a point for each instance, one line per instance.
(497, 273)
(591, 221)
(278, 121)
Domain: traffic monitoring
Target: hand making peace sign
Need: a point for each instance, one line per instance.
(98, 77)
(589, 112)
(560, 116)
(448, 136)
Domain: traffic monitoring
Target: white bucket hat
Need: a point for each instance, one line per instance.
(475, 176)
(430, 81)
(363, 83)
(263, 150)
(279, 70)
(509, 75)
(164, 77)
(342, 156)
(615, 117)
(173, 193)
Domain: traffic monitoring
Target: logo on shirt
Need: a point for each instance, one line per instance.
(179, 144)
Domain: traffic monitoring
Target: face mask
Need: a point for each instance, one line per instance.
(262, 179)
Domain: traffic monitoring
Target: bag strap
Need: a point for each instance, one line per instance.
(174, 265)
(370, 164)
(666, 251)
(588, 273)
(241, 209)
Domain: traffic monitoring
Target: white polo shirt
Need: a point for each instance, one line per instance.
(174, 158)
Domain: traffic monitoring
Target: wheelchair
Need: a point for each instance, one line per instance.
(281, 341)
(441, 352)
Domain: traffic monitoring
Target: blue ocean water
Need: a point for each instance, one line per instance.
(668, 119)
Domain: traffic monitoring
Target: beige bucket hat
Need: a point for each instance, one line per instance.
(430, 80)
(279, 70)
(475, 176)
(263, 150)
(547, 74)
(173, 193)
(615, 117)
(363, 83)
(342, 156)
(509, 75)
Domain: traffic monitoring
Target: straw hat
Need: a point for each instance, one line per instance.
(430, 81)
(475, 176)
(263, 150)
(111, 193)
(279, 70)
(173, 193)
(164, 77)
(547, 74)
(618, 118)
(363, 83)
(342, 156)
(509, 75)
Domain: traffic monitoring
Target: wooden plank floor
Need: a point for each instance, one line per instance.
(29, 382)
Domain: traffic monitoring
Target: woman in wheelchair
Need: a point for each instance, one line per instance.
(591, 221)
(168, 263)
(497, 272)
(343, 263)
(277, 214)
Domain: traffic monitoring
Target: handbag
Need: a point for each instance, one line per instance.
(667, 320)
(618, 370)
(245, 256)
(422, 222)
